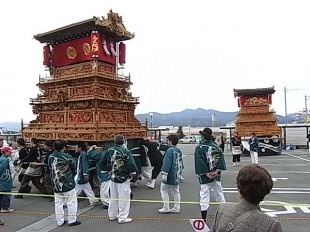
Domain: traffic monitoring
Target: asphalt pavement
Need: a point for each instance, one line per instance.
(288, 201)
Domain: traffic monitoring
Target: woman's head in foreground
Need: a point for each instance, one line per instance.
(254, 183)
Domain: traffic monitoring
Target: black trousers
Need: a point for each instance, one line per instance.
(236, 158)
(36, 181)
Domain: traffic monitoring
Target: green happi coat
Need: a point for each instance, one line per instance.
(208, 158)
(82, 168)
(119, 163)
(173, 165)
(62, 169)
(6, 182)
(96, 156)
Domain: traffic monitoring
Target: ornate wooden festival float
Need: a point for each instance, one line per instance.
(255, 115)
(84, 98)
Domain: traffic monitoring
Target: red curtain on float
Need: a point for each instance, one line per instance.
(81, 50)
(46, 55)
(122, 53)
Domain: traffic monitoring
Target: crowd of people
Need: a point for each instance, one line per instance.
(60, 177)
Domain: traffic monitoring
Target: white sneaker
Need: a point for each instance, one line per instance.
(9, 210)
(151, 184)
(112, 218)
(238, 164)
(125, 220)
(173, 210)
(234, 164)
(94, 203)
(164, 210)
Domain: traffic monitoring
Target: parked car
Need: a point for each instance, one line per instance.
(188, 139)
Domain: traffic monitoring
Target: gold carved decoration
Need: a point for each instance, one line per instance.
(255, 101)
(71, 52)
(112, 117)
(86, 48)
(94, 43)
(114, 23)
(80, 117)
(76, 136)
(53, 118)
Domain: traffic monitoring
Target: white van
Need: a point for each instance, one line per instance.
(188, 139)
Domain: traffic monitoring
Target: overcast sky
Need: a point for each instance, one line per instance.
(186, 54)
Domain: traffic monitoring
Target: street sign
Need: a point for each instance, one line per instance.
(199, 225)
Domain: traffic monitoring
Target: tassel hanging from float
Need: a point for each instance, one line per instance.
(114, 53)
(105, 47)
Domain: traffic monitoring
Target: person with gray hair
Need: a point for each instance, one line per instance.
(119, 163)
(253, 182)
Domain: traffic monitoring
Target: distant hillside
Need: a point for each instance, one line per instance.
(10, 126)
(196, 118)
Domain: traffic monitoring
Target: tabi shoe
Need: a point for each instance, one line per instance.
(76, 223)
(112, 218)
(151, 184)
(124, 220)
(28, 189)
(105, 206)
(9, 210)
(134, 184)
(173, 210)
(164, 210)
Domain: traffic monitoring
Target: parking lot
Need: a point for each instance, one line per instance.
(288, 201)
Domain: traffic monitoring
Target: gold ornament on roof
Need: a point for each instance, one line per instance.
(115, 24)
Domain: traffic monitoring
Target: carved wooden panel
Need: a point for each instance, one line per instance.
(71, 71)
(76, 136)
(105, 68)
(112, 117)
(52, 118)
(80, 117)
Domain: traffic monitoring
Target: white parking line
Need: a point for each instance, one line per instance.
(299, 157)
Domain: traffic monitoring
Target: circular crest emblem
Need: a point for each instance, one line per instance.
(71, 52)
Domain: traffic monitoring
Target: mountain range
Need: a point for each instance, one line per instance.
(196, 118)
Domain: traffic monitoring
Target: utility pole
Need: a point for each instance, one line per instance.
(285, 103)
(306, 119)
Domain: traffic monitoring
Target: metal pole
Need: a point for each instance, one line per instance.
(285, 89)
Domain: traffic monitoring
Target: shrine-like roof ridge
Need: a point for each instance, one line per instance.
(250, 92)
(112, 27)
